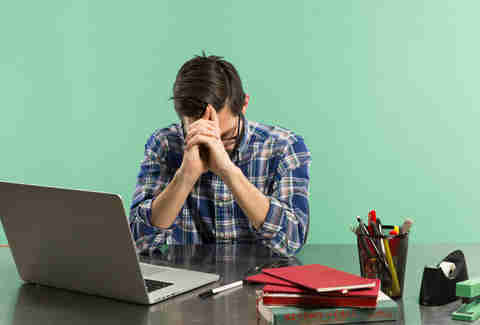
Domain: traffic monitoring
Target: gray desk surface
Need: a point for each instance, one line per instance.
(31, 304)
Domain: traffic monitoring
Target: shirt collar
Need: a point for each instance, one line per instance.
(243, 150)
(242, 146)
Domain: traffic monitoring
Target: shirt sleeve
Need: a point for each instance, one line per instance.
(287, 221)
(152, 179)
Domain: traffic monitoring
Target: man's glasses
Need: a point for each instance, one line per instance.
(236, 132)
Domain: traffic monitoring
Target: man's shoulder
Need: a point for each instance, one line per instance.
(279, 142)
(166, 138)
(273, 134)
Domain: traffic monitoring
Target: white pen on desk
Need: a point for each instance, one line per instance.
(212, 292)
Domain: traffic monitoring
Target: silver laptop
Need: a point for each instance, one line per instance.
(81, 240)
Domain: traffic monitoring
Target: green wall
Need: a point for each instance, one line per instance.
(384, 92)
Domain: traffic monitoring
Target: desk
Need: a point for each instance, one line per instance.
(32, 304)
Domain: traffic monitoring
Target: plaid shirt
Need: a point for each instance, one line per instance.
(274, 159)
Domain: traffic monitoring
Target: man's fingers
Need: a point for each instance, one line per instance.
(229, 144)
(213, 114)
(199, 139)
(206, 114)
(202, 128)
(209, 133)
(200, 122)
(214, 117)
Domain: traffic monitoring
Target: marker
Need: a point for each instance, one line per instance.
(372, 221)
(395, 231)
(213, 292)
(406, 226)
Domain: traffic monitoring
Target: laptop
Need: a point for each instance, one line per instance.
(81, 240)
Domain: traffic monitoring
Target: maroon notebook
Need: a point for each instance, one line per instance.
(320, 278)
(274, 295)
(268, 279)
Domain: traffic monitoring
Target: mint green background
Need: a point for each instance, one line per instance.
(384, 92)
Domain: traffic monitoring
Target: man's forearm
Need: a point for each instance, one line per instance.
(251, 200)
(168, 203)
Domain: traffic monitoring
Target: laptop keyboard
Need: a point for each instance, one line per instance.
(153, 285)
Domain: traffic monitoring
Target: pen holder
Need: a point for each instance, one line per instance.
(384, 259)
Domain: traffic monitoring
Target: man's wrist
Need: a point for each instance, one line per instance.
(229, 173)
(187, 178)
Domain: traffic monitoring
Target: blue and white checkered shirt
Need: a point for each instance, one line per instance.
(274, 159)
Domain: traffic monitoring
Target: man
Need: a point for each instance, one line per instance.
(217, 177)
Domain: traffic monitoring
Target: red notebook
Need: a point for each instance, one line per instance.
(274, 295)
(320, 278)
(268, 279)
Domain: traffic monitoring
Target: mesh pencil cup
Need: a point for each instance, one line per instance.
(384, 258)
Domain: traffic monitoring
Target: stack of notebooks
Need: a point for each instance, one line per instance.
(318, 294)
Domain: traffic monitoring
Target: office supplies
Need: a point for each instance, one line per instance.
(387, 263)
(81, 241)
(469, 291)
(320, 278)
(296, 296)
(223, 288)
(438, 289)
(386, 310)
(370, 243)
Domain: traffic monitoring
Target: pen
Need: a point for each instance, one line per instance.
(213, 292)
(364, 244)
(364, 230)
(379, 229)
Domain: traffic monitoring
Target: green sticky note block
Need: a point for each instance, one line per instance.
(468, 288)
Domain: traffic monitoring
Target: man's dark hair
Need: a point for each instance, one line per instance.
(207, 80)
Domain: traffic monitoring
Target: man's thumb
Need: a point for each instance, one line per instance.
(206, 114)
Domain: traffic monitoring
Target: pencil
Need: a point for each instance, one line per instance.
(393, 271)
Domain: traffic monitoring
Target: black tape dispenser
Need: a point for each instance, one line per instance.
(439, 281)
